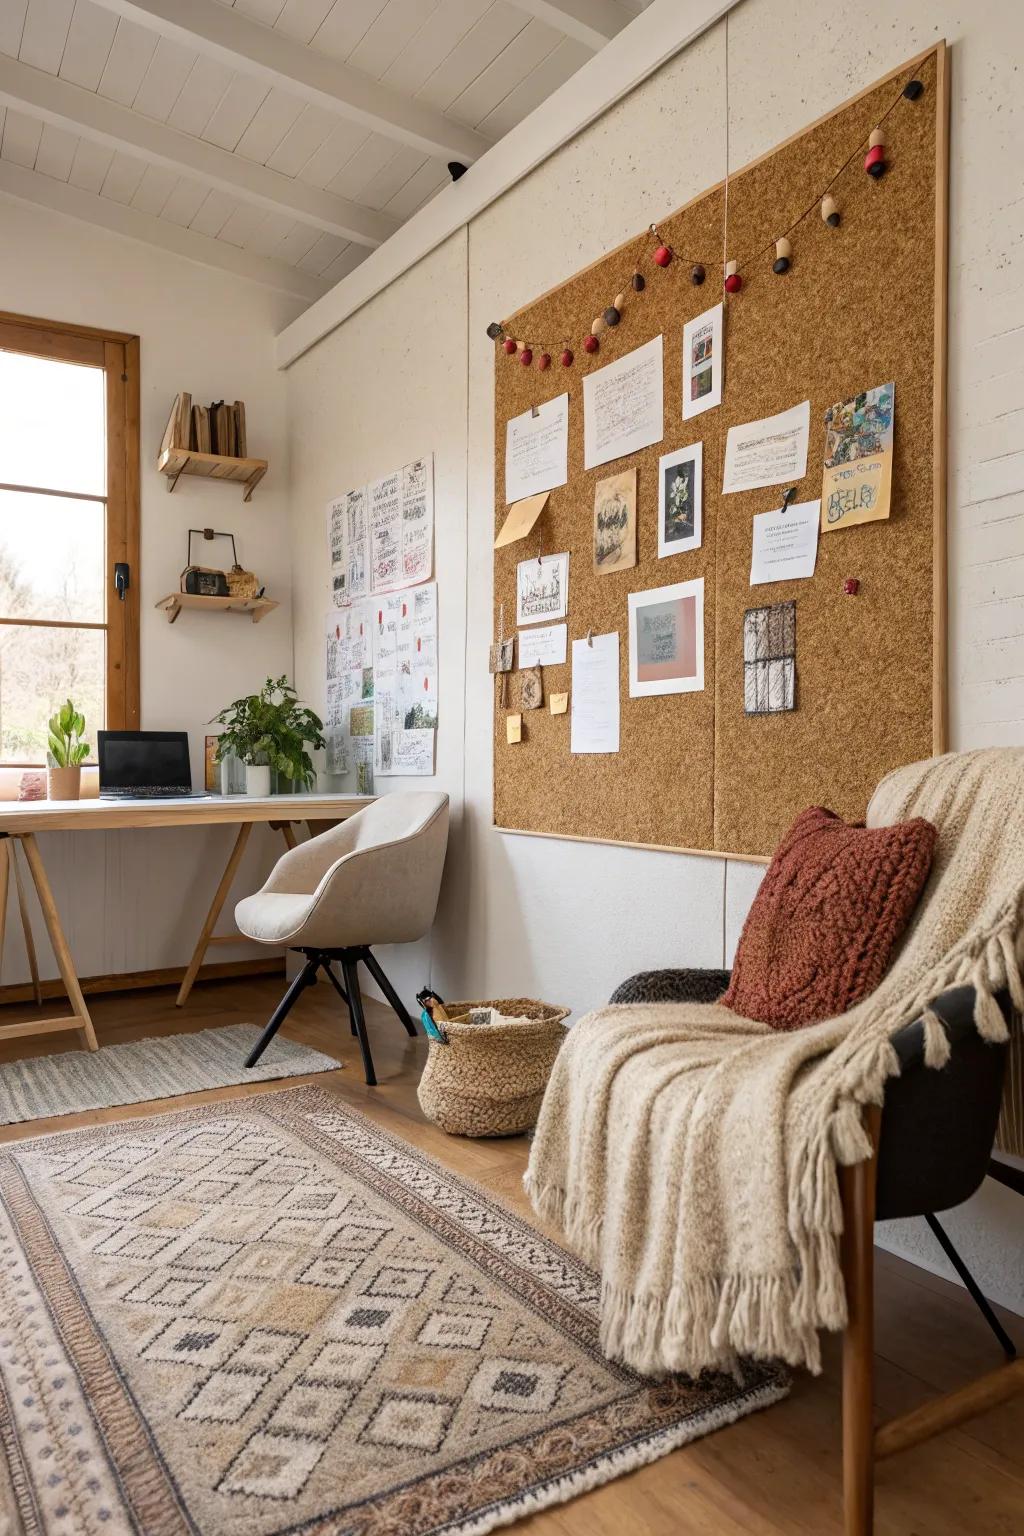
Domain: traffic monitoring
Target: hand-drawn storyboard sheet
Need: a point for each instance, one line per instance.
(381, 536)
(405, 681)
(348, 695)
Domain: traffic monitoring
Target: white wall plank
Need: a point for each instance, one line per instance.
(130, 55)
(45, 33)
(21, 138)
(90, 38)
(164, 80)
(90, 165)
(56, 153)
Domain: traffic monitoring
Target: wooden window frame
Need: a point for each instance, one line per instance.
(117, 353)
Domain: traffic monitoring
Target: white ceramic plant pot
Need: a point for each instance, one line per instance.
(257, 780)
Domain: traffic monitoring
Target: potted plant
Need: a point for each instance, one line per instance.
(270, 732)
(66, 753)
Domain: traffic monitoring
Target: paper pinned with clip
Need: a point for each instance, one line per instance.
(521, 519)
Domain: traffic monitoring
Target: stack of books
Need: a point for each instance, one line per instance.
(215, 428)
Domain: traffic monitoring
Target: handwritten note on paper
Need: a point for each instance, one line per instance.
(623, 405)
(785, 544)
(595, 694)
(537, 450)
(543, 647)
(768, 452)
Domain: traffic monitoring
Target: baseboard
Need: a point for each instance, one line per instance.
(131, 981)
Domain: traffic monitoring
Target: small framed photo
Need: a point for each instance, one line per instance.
(666, 639)
(680, 500)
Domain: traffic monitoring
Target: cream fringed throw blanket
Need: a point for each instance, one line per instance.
(690, 1155)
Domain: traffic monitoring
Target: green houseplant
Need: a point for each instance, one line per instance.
(272, 733)
(66, 752)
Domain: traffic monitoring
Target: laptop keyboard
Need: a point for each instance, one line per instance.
(147, 792)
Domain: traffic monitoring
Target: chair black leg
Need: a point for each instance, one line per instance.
(1006, 1344)
(376, 970)
(355, 1004)
(328, 970)
(304, 979)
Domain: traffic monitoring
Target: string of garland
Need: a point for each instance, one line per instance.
(875, 165)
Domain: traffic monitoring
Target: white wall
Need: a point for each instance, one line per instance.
(567, 921)
(131, 900)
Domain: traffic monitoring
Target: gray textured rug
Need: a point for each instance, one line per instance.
(147, 1069)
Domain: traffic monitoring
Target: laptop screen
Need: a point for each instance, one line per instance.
(144, 760)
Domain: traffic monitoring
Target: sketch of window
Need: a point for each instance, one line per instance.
(769, 659)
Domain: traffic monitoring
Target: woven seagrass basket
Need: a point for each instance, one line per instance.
(489, 1079)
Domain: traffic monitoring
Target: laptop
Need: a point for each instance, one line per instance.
(145, 765)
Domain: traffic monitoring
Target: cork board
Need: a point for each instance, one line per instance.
(862, 304)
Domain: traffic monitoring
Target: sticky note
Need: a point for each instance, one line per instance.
(559, 703)
(513, 729)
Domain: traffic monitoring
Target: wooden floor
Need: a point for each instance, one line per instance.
(775, 1472)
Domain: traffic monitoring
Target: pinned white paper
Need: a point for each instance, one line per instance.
(772, 451)
(785, 545)
(537, 449)
(623, 405)
(543, 647)
(595, 694)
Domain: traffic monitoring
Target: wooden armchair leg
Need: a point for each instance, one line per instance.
(857, 1185)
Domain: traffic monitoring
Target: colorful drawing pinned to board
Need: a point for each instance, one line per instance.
(703, 362)
(856, 486)
(615, 523)
(680, 500)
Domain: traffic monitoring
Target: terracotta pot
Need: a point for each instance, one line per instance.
(63, 783)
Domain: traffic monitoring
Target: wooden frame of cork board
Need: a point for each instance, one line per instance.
(862, 304)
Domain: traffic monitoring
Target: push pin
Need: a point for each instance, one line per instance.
(590, 638)
(851, 586)
(788, 497)
(783, 252)
(830, 211)
(733, 281)
(874, 160)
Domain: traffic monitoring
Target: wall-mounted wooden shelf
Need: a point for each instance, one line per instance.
(175, 462)
(257, 607)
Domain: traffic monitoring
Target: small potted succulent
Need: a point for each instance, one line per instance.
(66, 752)
(270, 732)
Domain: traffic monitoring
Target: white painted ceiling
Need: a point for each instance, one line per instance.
(281, 139)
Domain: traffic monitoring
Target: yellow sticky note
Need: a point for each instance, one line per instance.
(559, 703)
(513, 729)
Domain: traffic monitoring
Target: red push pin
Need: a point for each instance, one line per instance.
(851, 586)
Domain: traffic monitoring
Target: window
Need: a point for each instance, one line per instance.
(69, 457)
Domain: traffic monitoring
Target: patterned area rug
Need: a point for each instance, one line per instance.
(268, 1316)
(42, 1086)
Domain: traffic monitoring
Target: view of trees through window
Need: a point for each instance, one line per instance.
(52, 549)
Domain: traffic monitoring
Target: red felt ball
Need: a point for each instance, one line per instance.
(874, 160)
(526, 357)
(567, 358)
(851, 586)
(544, 361)
(590, 344)
(733, 283)
(509, 345)
(662, 256)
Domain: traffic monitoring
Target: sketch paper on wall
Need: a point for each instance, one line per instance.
(680, 500)
(623, 405)
(542, 589)
(594, 719)
(405, 681)
(537, 449)
(615, 523)
(348, 694)
(401, 520)
(856, 486)
(356, 553)
(769, 659)
(772, 451)
(703, 362)
(336, 552)
(666, 639)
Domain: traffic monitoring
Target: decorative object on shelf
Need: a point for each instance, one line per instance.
(830, 211)
(271, 730)
(209, 581)
(66, 751)
(663, 254)
(874, 160)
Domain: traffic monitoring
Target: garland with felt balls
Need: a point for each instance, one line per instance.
(530, 353)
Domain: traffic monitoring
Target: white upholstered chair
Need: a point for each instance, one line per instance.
(373, 879)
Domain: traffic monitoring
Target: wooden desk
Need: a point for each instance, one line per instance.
(21, 821)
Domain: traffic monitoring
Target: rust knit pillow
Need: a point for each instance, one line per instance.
(832, 905)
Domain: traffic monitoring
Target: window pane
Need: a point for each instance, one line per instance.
(51, 558)
(39, 669)
(54, 424)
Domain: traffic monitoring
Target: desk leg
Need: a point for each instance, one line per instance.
(62, 953)
(26, 928)
(291, 841)
(5, 876)
(230, 870)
